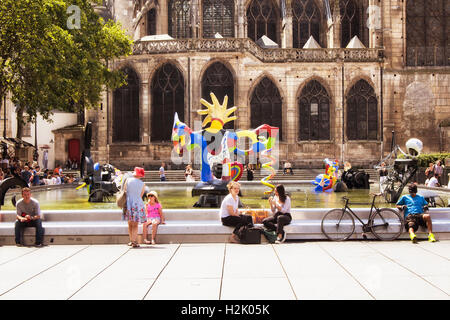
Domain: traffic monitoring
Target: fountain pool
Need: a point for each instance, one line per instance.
(178, 196)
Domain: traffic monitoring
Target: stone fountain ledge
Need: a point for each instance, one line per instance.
(104, 226)
(45, 188)
(440, 189)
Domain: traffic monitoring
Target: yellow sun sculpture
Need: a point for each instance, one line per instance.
(217, 113)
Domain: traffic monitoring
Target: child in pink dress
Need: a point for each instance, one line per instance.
(154, 216)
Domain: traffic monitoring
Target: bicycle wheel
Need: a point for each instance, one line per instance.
(386, 224)
(338, 225)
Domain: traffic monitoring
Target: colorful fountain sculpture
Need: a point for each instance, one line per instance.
(217, 145)
(327, 181)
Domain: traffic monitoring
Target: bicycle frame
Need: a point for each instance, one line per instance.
(383, 223)
(365, 226)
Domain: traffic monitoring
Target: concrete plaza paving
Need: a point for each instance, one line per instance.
(223, 271)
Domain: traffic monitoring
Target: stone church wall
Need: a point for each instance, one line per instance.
(411, 101)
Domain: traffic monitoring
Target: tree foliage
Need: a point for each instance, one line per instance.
(48, 65)
(424, 159)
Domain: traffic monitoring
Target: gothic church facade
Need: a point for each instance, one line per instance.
(336, 76)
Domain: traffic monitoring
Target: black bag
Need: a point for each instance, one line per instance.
(249, 235)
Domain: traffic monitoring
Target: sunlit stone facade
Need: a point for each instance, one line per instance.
(330, 102)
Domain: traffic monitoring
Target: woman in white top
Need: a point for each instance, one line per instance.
(229, 211)
(281, 207)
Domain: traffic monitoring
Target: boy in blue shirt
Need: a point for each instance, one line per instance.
(414, 206)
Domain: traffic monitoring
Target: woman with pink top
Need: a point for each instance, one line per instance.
(154, 216)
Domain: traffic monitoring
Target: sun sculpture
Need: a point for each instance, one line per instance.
(217, 145)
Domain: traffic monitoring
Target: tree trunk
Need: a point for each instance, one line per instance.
(20, 122)
(3, 105)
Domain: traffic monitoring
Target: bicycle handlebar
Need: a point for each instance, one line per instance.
(347, 200)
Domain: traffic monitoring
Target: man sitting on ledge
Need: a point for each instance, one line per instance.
(414, 206)
(28, 215)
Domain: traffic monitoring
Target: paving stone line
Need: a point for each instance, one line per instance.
(408, 269)
(42, 271)
(223, 270)
(157, 277)
(101, 271)
(19, 256)
(346, 270)
(284, 270)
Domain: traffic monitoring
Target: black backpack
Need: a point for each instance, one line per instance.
(249, 235)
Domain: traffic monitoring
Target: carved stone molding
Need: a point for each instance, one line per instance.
(265, 55)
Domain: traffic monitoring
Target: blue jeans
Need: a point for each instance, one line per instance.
(20, 226)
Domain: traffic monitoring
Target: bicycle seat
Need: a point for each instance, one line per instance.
(375, 194)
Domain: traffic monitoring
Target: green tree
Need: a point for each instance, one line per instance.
(54, 59)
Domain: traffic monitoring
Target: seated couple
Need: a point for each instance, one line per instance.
(280, 205)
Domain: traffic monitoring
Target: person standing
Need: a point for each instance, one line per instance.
(229, 212)
(188, 173)
(439, 170)
(281, 207)
(413, 206)
(383, 173)
(249, 172)
(28, 215)
(45, 159)
(162, 175)
(135, 209)
(429, 172)
(35, 176)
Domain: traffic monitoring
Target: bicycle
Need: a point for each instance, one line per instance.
(384, 223)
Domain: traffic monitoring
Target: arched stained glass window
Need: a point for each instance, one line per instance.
(263, 18)
(353, 21)
(167, 98)
(151, 22)
(218, 17)
(362, 112)
(180, 19)
(314, 112)
(428, 32)
(219, 80)
(126, 109)
(266, 106)
(305, 22)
